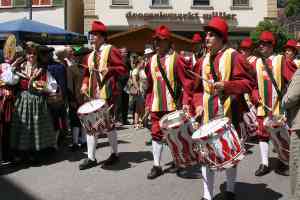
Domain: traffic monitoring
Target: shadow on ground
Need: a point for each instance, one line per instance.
(248, 191)
(11, 191)
(51, 156)
(127, 158)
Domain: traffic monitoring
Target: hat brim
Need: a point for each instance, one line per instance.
(95, 32)
(292, 47)
(156, 36)
(211, 28)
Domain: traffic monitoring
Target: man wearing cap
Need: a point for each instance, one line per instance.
(291, 51)
(74, 81)
(223, 97)
(249, 127)
(267, 97)
(197, 48)
(105, 65)
(246, 48)
(165, 67)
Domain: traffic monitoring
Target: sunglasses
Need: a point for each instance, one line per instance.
(265, 43)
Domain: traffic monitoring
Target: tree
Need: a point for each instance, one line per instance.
(281, 33)
(292, 8)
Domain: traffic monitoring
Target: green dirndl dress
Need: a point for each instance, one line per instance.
(32, 126)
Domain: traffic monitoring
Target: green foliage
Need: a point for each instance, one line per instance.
(280, 33)
(292, 8)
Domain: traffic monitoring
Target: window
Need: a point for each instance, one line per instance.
(240, 3)
(200, 2)
(40, 3)
(120, 2)
(5, 3)
(160, 2)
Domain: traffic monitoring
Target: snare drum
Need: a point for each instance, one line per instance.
(178, 130)
(93, 115)
(219, 143)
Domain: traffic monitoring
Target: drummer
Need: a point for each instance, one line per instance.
(222, 96)
(282, 70)
(101, 84)
(159, 99)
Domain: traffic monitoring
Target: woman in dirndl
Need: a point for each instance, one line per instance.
(32, 129)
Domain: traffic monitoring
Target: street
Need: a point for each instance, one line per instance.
(59, 178)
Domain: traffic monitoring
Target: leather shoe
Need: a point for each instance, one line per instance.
(74, 147)
(173, 168)
(203, 198)
(87, 163)
(262, 170)
(155, 172)
(113, 159)
(282, 169)
(229, 196)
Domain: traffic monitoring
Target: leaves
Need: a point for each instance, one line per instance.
(279, 31)
(292, 8)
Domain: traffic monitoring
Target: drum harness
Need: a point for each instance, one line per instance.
(172, 93)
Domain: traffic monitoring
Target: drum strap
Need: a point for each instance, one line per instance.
(270, 74)
(163, 73)
(215, 76)
(100, 83)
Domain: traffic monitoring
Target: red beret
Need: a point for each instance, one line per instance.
(292, 44)
(97, 26)
(162, 32)
(246, 43)
(219, 25)
(197, 38)
(267, 36)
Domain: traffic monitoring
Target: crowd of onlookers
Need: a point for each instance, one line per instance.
(41, 85)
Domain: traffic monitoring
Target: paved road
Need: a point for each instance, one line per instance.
(59, 177)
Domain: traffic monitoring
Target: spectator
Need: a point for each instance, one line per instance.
(291, 102)
(31, 130)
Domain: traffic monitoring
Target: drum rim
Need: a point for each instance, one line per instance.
(198, 137)
(166, 117)
(85, 113)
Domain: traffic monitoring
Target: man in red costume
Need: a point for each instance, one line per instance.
(268, 96)
(105, 65)
(223, 97)
(159, 99)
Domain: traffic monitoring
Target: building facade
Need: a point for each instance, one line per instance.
(66, 14)
(183, 16)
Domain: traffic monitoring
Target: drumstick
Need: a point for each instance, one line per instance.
(264, 105)
(200, 77)
(144, 117)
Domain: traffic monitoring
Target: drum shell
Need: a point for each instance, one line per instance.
(178, 137)
(221, 148)
(89, 120)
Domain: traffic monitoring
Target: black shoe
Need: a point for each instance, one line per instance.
(87, 163)
(188, 173)
(74, 147)
(173, 168)
(203, 198)
(113, 159)
(155, 172)
(262, 170)
(83, 146)
(282, 169)
(229, 196)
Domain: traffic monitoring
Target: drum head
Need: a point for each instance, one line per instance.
(208, 129)
(172, 119)
(91, 106)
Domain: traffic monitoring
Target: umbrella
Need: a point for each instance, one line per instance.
(41, 33)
